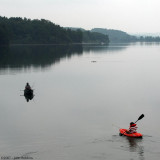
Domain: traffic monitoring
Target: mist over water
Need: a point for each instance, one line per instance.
(83, 94)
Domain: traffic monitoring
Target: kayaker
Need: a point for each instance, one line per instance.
(132, 129)
(27, 86)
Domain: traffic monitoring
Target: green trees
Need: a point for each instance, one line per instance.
(94, 37)
(26, 31)
(4, 35)
(149, 39)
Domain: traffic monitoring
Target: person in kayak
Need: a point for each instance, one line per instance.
(132, 129)
(27, 86)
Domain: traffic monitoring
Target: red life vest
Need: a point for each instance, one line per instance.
(133, 128)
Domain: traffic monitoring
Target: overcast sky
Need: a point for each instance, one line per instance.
(131, 16)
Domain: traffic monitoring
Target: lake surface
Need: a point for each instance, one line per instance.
(83, 95)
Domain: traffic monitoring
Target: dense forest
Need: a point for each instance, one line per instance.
(90, 36)
(94, 37)
(4, 34)
(16, 30)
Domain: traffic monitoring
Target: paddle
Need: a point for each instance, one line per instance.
(140, 117)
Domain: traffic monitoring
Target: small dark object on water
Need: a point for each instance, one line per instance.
(93, 61)
(28, 94)
(28, 91)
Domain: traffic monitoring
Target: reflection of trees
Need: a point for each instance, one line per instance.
(25, 56)
(37, 56)
(134, 146)
(105, 48)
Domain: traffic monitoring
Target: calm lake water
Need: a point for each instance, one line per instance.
(83, 94)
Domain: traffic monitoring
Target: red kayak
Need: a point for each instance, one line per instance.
(135, 135)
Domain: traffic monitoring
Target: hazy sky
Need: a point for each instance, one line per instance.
(128, 15)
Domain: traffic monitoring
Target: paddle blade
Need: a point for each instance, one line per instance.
(141, 117)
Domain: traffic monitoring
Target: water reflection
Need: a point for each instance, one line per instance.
(135, 145)
(77, 103)
(28, 97)
(28, 94)
(113, 47)
(20, 57)
(25, 56)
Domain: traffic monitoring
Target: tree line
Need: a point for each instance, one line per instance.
(17, 30)
(120, 36)
(149, 39)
